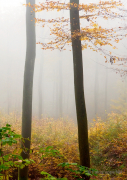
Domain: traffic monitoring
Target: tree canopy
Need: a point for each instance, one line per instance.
(92, 34)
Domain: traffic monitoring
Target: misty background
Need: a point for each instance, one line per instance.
(53, 74)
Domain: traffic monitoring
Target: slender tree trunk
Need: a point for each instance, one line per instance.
(96, 87)
(28, 85)
(40, 88)
(8, 90)
(78, 85)
(60, 89)
(106, 83)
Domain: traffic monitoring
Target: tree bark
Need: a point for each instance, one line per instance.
(78, 85)
(28, 85)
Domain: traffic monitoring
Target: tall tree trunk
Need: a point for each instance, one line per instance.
(78, 85)
(106, 83)
(40, 88)
(96, 87)
(28, 85)
(60, 89)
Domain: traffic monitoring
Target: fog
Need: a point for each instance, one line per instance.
(53, 74)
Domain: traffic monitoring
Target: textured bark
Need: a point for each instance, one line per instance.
(79, 89)
(28, 85)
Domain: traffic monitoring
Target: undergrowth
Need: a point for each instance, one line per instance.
(107, 141)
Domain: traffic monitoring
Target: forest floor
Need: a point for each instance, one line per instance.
(55, 142)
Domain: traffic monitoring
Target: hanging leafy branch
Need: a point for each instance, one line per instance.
(93, 36)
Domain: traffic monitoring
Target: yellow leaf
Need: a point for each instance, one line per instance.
(20, 150)
(85, 46)
(95, 25)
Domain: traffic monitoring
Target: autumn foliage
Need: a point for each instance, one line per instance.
(94, 34)
(107, 140)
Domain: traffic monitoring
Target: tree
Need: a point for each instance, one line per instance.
(40, 96)
(60, 88)
(28, 86)
(78, 85)
(94, 34)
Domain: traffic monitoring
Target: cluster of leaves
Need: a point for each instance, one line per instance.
(93, 35)
(80, 171)
(10, 159)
